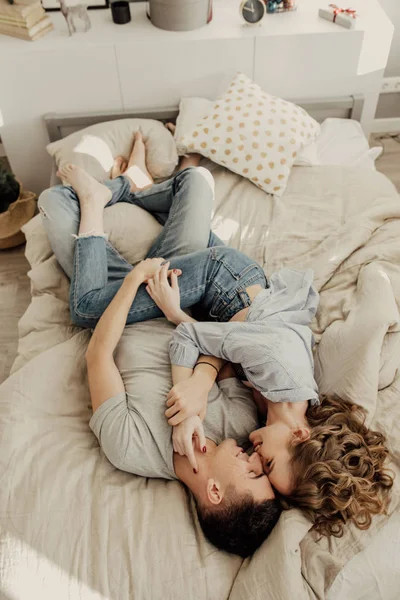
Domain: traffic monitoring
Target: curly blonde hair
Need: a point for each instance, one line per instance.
(339, 472)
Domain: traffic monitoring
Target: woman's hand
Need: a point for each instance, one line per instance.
(147, 269)
(187, 399)
(165, 294)
(186, 436)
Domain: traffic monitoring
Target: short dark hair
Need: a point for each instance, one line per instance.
(239, 524)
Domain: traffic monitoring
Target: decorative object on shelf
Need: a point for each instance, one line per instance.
(24, 21)
(54, 5)
(16, 208)
(345, 17)
(74, 14)
(252, 11)
(180, 15)
(120, 11)
(280, 6)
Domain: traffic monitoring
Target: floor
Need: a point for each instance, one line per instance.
(15, 284)
(14, 299)
(389, 162)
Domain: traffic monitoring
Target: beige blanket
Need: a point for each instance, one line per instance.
(72, 526)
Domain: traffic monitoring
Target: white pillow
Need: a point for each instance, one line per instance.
(94, 148)
(193, 110)
(343, 142)
(308, 156)
(253, 134)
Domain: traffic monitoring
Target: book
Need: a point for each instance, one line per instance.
(31, 19)
(19, 11)
(44, 26)
(27, 38)
(24, 2)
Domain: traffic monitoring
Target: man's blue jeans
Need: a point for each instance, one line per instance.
(213, 275)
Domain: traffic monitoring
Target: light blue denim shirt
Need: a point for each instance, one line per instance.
(273, 345)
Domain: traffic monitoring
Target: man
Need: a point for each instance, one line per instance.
(235, 502)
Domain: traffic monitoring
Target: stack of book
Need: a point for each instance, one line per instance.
(23, 19)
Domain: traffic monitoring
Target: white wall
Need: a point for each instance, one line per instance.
(388, 107)
(392, 9)
(389, 104)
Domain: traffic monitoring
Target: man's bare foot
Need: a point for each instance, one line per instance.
(138, 157)
(119, 166)
(87, 188)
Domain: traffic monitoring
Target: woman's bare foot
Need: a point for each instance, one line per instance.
(138, 158)
(171, 127)
(87, 188)
(119, 166)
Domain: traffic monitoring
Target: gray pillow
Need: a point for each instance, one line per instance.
(95, 147)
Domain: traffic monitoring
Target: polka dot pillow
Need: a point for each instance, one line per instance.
(253, 134)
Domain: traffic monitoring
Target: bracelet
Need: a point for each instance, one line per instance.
(203, 362)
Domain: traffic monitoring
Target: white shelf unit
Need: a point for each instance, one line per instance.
(133, 66)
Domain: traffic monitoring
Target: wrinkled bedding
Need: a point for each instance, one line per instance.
(72, 526)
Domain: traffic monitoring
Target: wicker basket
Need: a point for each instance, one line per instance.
(11, 221)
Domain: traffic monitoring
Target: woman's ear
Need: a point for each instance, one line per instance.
(301, 434)
(214, 492)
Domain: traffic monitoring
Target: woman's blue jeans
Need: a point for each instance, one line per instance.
(214, 276)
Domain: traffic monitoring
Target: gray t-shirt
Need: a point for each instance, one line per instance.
(134, 434)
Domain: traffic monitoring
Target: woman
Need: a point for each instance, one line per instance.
(262, 328)
(319, 456)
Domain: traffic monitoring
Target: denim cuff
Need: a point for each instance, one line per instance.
(90, 234)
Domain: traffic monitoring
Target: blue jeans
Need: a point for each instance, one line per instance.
(214, 276)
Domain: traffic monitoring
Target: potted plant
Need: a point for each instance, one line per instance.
(16, 208)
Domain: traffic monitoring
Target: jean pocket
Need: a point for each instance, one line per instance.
(238, 303)
(250, 272)
(235, 263)
(224, 306)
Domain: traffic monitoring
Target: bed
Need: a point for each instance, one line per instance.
(72, 526)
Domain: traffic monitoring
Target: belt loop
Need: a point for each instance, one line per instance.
(244, 298)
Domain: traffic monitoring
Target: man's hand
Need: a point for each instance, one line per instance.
(151, 267)
(187, 399)
(165, 294)
(187, 436)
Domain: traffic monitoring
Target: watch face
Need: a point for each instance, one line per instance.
(253, 10)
